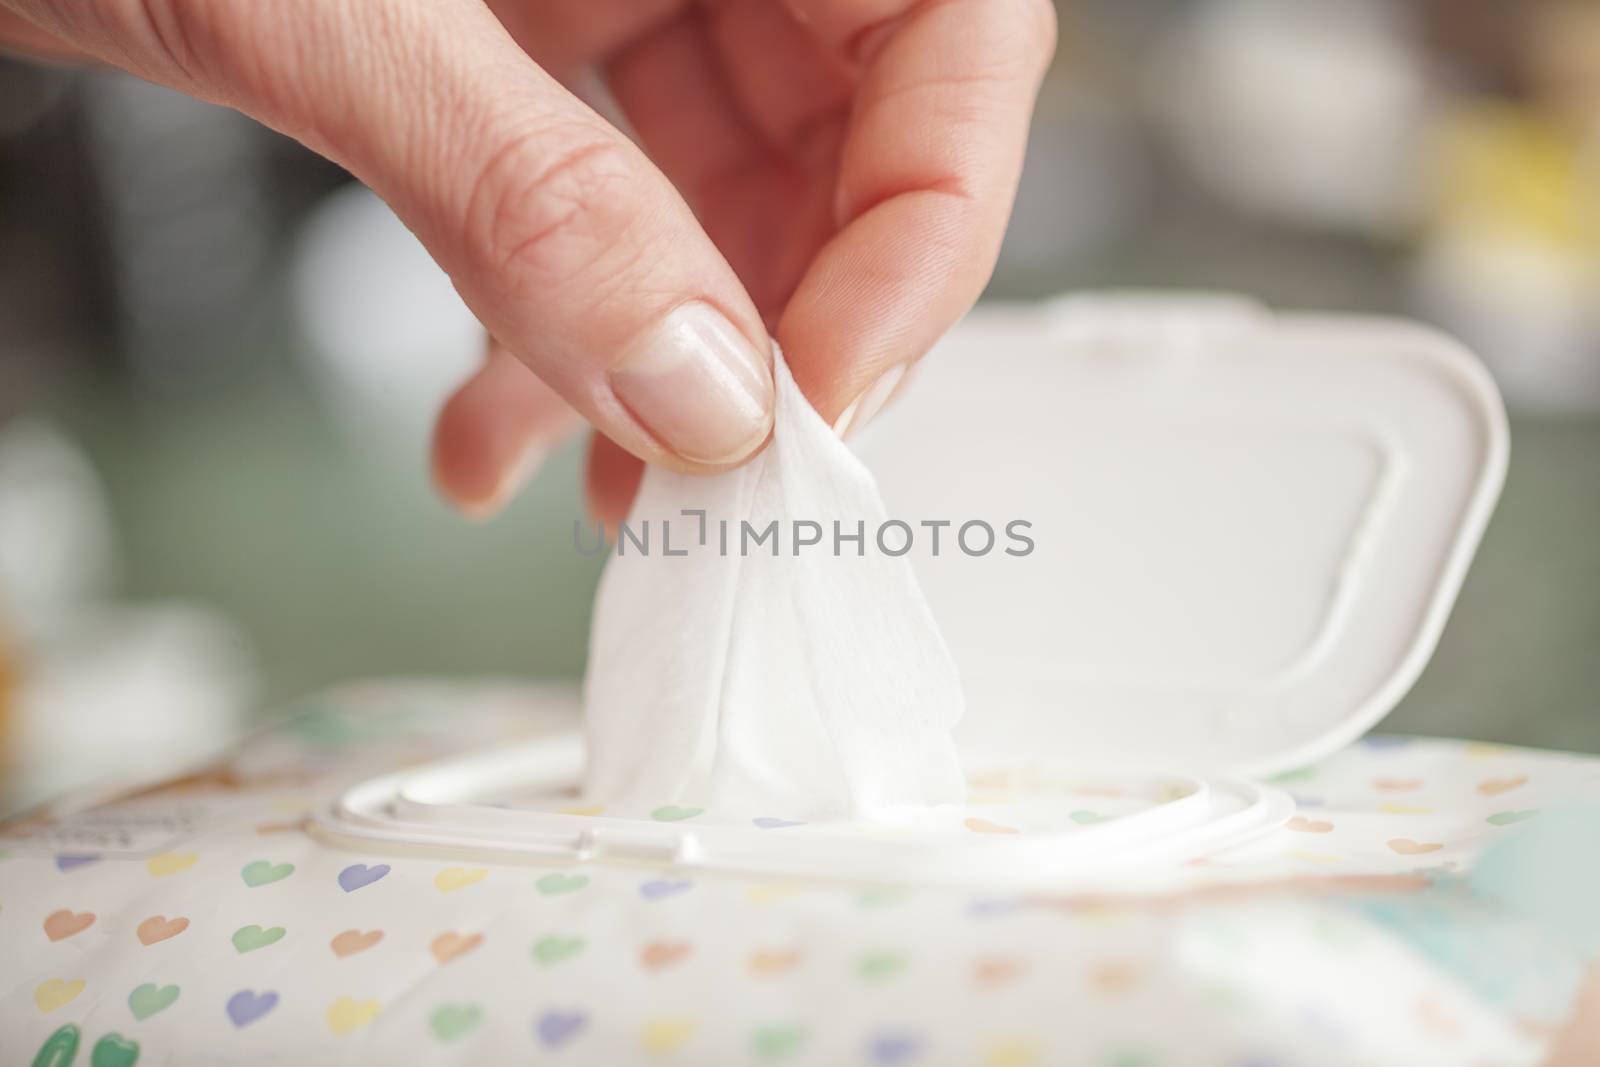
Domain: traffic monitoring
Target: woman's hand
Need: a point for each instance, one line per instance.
(837, 173)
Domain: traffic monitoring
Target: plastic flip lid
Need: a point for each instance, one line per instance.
(1247, 529)
(1233, 540)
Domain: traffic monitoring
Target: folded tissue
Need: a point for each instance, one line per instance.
(762, 654)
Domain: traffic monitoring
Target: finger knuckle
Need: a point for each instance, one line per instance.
(550, 205)
(174, 32)
(216, 48)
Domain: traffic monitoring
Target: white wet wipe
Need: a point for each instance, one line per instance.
(801, 680)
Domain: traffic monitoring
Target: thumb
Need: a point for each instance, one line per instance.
(566, 242)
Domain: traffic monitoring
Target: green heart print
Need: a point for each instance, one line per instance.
(150, 998)
(451, 1021)
(264, 872)
(552, 950)
(556, 884)
(249, 938)
(114, 1050)
(59, 1049)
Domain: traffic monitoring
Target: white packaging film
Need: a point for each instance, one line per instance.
(781, 663)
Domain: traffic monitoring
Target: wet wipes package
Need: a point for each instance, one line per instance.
(1159, 548)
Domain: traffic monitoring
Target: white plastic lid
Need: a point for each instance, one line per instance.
(1248, 528)
(1247, 531)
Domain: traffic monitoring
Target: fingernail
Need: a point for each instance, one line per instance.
(870, 402)
(699, 386)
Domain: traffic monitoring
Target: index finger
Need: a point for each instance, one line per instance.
(927, 175)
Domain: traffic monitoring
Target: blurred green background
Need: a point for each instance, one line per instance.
(218, 357)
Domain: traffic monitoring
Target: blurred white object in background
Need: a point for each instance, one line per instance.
(1302, 111)
(1532, 310)
(100, 693)
(124, 694)
(385, 331)
(56, 545)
